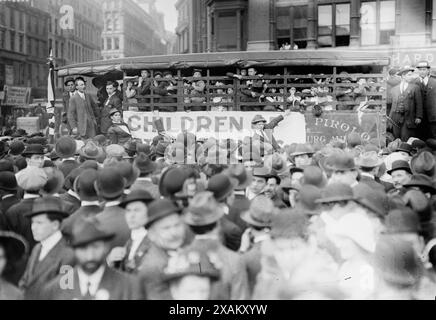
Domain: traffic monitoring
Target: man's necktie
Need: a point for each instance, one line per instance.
(88, 295)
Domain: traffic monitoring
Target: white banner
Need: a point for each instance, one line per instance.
(220, 125)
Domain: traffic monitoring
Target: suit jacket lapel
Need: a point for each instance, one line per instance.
(49, 260)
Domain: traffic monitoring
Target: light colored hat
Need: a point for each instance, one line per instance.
(31, 179)
(354, 226)
(115, 150)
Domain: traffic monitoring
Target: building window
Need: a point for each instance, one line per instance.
(117, 43)
(12, 41)
(334, 25)
(109, 43)
(21, 43)
(226, 31)
(377, 22)
(2, 39)
(12, 21)
(116, 23)
(102, 44)
(21, 21)
(292, 26)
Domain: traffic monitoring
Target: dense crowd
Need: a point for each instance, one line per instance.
(95, 220)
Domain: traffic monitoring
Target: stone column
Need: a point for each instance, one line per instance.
(259, 26)
(312, 18)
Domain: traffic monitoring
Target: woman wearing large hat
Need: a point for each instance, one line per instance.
(119, 132)
(13, 248)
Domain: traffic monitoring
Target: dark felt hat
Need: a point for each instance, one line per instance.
(137, 195)
(47, 205)
(159, 209)
(90, 151)
(84, 185)
(336, 192)
(400, 165)
(69, 79)
(403, 220)
(425, 183)
(240, 174)
(405, 147)
(144, 164)
(203, 210)
(6, 165)
(33, 149)
(373, 200)
(88, 230)
(171, 181)
(221, 186)
(15, 245)
(340, 162)
(110, 183)
(65, 147)
(8, 181)
(423, 163)
(16, 148)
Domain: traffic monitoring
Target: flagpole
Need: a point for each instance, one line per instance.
(51, 98)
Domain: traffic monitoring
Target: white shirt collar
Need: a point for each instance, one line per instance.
(7, 196)
(137, 236)
(206, 237)
(49, 243)
(355, 183)
(367, 175)
(30, 196)
(144, 179)
(81, 94)
(112, 203)
(92, 281)
(89, 203)
(68, 159)
(72, 193)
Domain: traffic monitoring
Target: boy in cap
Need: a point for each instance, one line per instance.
(90, 278)
(51, 253)
(202, 217)
(401, 175)
(167, 233)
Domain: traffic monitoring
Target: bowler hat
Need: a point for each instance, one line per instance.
(65, 147)
(15, 246)
(128, 171)
(88, 230)
(400, 165)
(32, 149)
(369, 160)
(313, 175)
(6, 165)
(16, 148)
(423, 163)
(405, 147)
(336, 192)
(71, 178)
(261, 212)
(31, 179)
(144, 164)
(110, 183)
(423, 182)
(137, 195)
(258, 118)
(397, 262)
(84, 185)
(203, 210)
(8, 181)
(403, 220)
(171, 181)
(194, 260)
(159, 209)
(55, 180)
(221, 186)
(90, 164)
(69, 79)
(47, 205)
(90, 151)
(241, 175)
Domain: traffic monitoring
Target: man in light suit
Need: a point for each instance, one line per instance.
(113, 101)
(83, 112)
(52, 253)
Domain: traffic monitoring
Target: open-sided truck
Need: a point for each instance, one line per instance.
(349, 88)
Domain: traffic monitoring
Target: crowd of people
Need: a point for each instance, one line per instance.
(96, 220)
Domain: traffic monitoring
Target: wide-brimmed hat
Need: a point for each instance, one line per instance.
(128, 171)
(369, 160)
(405, 147)
(400, 165)
(47, 205)
(423, 163)
(159, 209)
(221, 186)
(335, 192)
(397, 262)
(137, 195)
(258, 118)
(110, 183)
(84, 185)
(301, 149)
(403, 220)
(115, 150)
(31, 179)
(15, 245)
(90, 151)
(171, 181)
(423, 64)
(88, 230)
(194, 260)
(276, 163)
(423, 182)
(144, 164)
(8, 181)
(55, 180)
(262, 172)
(261, 212)
(241, 175)
(32, 149)
(65, 147)
(203, 210)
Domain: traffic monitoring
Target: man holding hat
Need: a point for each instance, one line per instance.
(202, 216)
(407, 108)
(167, 233)
(428, 89)
(91, 278)
(51, 253)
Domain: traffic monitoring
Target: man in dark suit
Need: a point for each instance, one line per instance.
(144, 86)
(369, 164)
(52, 253)
(83, 112)
(91, 278)
(167, 232)
(70, 87)
(113, 101)
(428, 90)
(89, 205)
(146, 169)
(263, 131)
(407, 108)
(70, 199)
